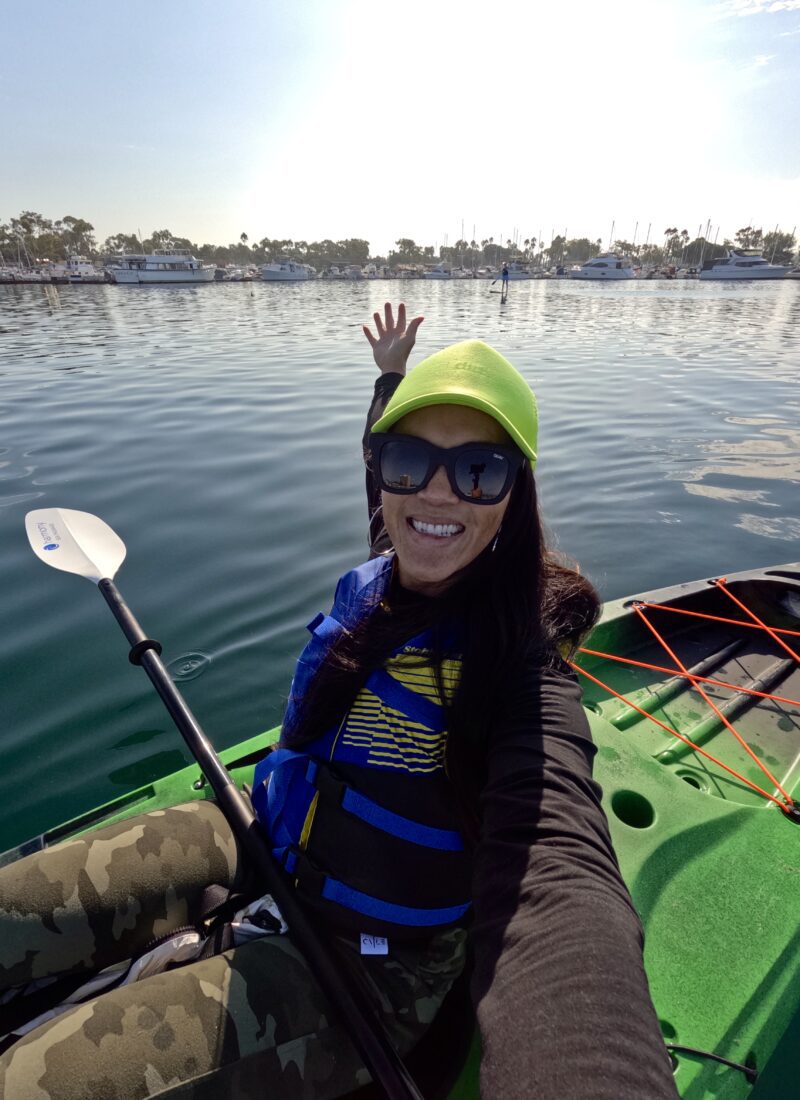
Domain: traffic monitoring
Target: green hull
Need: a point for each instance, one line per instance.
(713, 866)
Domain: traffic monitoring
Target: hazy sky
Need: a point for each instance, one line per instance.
(360, 118)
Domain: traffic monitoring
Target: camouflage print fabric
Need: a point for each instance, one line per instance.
(248, 1023)
(90, 902)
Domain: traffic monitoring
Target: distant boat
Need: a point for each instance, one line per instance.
(743, 263)
(440, 271)
(77, 269)
(164, 265)
(26, 275)
(285, 271)
(609, 266)
(233, 274)
(517, 271)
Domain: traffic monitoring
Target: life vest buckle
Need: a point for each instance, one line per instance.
(308, 878)
(330, 786)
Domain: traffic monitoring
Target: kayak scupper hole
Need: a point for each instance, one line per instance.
(633, 809)
(188, 667)
(693, 780)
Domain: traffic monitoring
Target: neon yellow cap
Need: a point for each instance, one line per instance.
(472, 374)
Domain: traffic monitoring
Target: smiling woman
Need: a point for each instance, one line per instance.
(430, 801)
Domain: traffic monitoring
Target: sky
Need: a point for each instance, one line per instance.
(360, 118)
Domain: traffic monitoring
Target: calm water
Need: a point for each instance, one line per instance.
(217, 430)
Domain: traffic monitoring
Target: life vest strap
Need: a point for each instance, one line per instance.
(311, 880)
(335, 789)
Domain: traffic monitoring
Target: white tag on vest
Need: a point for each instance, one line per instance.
(374, 945)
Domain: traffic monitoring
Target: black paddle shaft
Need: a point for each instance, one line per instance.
(366, 1031)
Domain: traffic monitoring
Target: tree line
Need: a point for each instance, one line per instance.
(31, 238)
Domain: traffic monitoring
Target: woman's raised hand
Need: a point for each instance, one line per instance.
(392, 346)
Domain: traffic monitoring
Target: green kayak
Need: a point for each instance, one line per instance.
(693, 695)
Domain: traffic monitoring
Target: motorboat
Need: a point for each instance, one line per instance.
(285, 271)
(743, 263)
(76, 269)
(609, 266)
(28, 275)
(517, 271)
(164, 265)
(440, 271)
(233, 274)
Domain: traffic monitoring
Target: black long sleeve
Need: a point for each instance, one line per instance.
(559, 985)
(379, 542)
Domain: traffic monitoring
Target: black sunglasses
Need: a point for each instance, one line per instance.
(481, 473)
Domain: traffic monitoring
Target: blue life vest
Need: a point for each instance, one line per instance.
(363, 818)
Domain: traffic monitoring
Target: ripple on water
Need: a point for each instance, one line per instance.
(188, 666)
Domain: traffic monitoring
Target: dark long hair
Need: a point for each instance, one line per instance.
(514, 605)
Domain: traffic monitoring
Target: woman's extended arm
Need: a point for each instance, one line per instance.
(390, 349)
(559, 985)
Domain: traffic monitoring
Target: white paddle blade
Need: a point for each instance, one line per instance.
(76, 542)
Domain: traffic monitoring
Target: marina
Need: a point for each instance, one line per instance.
(177, 265)
(678, 258)
(172, 267)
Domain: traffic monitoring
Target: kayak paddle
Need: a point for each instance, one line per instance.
(78, 542)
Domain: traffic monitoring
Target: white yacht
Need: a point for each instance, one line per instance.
(164, 265)
(608, 266)
(441, 271)
(285, 271)
(743, 263)
(77, 269)
(517, 271)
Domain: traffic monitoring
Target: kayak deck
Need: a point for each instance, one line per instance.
(712, 864)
